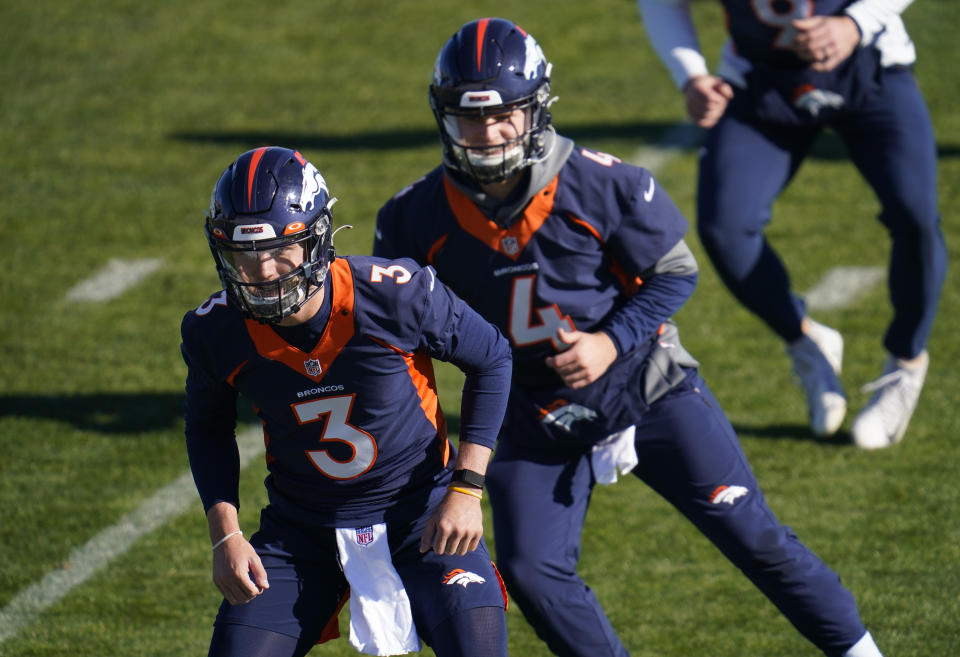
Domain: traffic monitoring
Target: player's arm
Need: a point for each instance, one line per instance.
(454, 332)
(873, 16)
(646, 239)
(666, 287)
(456, 525)
(210, 419)
(670, 28)
(237, 570)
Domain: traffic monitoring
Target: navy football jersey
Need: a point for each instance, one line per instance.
(762, 32)
(353, 428)
(573, 257)
(783, 87)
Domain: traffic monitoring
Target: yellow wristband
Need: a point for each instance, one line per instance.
(466, 491)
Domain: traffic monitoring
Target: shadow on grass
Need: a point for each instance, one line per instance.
(122, 413)
(109, 413)
(661, 133)
(795, 432)
(403, 138)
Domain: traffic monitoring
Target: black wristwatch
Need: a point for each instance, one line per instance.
(469, 477)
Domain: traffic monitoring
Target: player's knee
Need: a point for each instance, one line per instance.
(719, 236)
(530, 574)
(913, 215)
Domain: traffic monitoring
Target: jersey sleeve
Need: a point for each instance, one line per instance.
(210, 412)
(414, 311)
(874, 16)
(639, 319)
(649, 227)
(672, 34)
(454, 332)
(648, 242)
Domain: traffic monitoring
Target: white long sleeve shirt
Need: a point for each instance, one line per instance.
(670, 27)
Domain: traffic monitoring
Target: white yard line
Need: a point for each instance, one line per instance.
(841, 286)
(115, 278)
(164, 505)
(674, 141)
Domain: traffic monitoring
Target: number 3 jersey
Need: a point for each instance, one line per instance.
(574, 256)
(353, 427)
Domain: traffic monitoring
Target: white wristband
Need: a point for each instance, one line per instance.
(225, 537)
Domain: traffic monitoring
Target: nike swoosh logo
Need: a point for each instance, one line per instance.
(648, 195)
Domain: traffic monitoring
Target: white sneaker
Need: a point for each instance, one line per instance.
(817, 358)
(884, 419)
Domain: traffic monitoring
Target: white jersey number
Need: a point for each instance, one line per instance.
(780, 13)
(399, 274)
(522, 332)
(219, 299)
(337, 410)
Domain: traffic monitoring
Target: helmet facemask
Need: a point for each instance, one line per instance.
(489, 164)
(303, 259)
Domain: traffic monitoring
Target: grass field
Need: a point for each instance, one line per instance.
(117, 117)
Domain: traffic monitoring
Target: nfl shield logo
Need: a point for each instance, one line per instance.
(364, 535)
(510, 245)
(312, 366)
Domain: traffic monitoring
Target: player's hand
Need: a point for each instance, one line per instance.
(825, 41)
(237, 571)
(587, 358)
(707, 97)
(456, 525)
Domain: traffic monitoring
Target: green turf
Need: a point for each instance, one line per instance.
(117, 117)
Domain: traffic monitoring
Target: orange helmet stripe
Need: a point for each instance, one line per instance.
(481, 30)
(254, 162)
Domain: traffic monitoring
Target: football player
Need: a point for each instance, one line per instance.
(789, 70)
(367, 496)
(581, 262)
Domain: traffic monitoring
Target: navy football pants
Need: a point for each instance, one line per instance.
(687, 451)
(307, 589)
(745, 165)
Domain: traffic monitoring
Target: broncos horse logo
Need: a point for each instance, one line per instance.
(564, 415)
(313, 184)
(462, 577)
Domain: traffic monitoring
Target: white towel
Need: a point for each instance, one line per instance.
(618, 451)
(381, 622)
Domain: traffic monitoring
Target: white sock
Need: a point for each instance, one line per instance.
(865, 647)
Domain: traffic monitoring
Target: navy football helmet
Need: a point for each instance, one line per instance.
(271, 204)
(491, 67)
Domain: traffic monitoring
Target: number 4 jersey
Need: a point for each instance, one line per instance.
(352, 423)
(571, 259)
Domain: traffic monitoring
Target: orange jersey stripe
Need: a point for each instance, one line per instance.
(630, 286)
(420, 368)
(432, 253)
